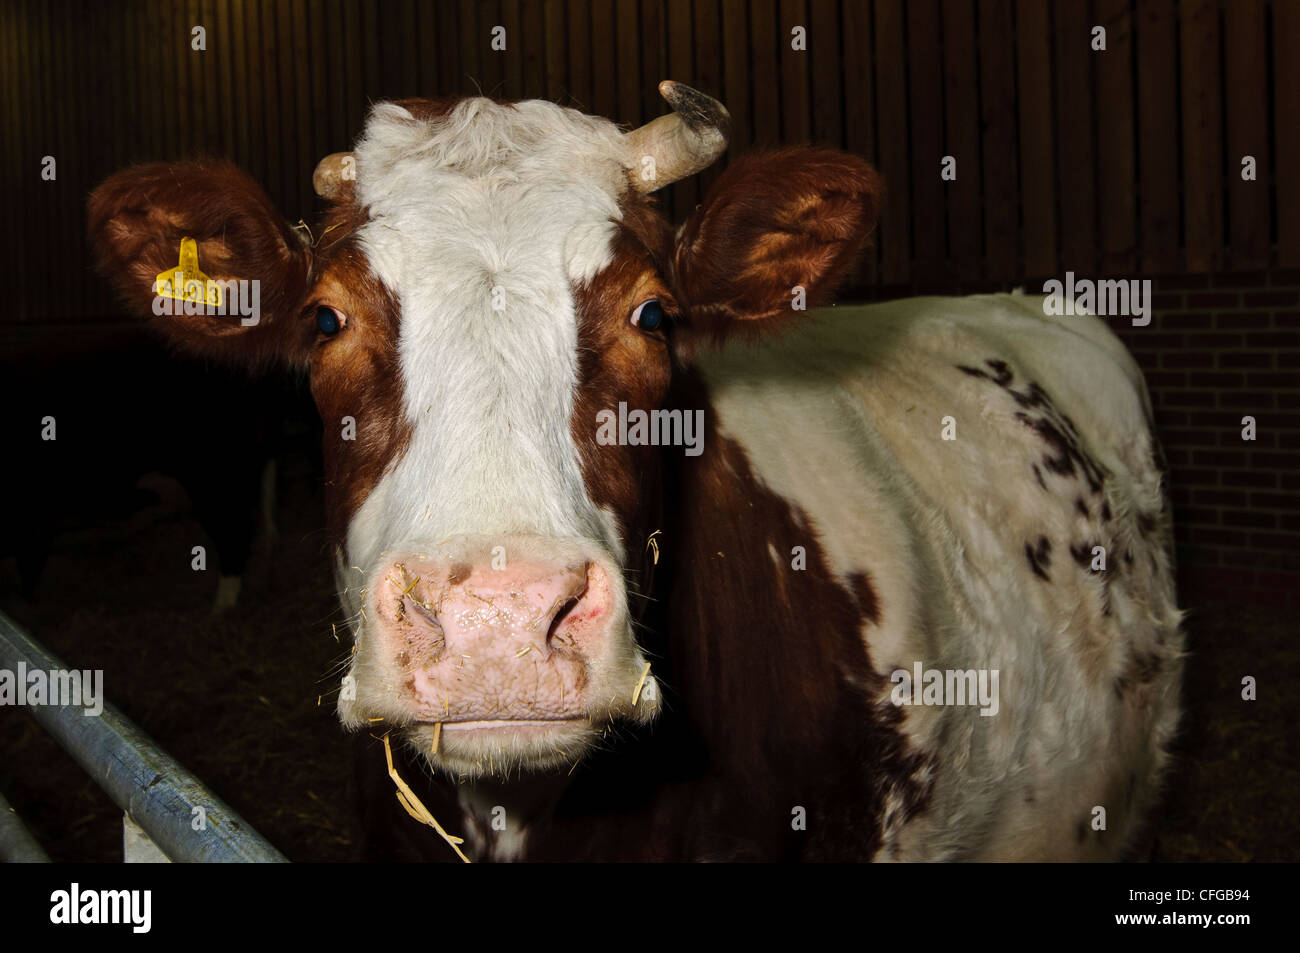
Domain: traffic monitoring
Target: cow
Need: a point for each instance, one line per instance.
(906, 594)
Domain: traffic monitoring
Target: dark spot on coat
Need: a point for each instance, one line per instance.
(1081, 506)
(1040, 557)
(1038, 475)
(459, 573)
(1105, 510)
(1002, 371)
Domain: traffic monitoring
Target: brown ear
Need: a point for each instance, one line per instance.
(138, 221)
(773, 221)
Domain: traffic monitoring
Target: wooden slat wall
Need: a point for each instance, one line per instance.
(1122, 161)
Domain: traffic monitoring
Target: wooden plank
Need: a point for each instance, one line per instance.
(493, 62)
(827, 70)
(1286, 85)
(1037, 124)
(471, 50)
(307, 114)
(796, 112)
(708, 71)
(337, 135)
(735, 72)
(206, 74)
(534, 50)
(1247, 110)
(88, 130)
(512, 57)
(860, 113)
(428, 55)
(406, 39)
(291, 109)
(188, 118)
(193, 70)
(604, 44)
(31, 149)
(925, 109)
(963, 198)
(165, 107)
(627, 76)
(47, 203)
(681, 67)
(1076, 147)
(580, 54)
(249, 91)
(447, 42)
(11, 82)
(766, 62)
(324, 112)
(999, 145)
(892, 142)
(353, 68)
(1117, 148)
(225, 53)
(655, 67)
(409, 48)
(271, 133)
(241, 80)
(1158, 209)
(63, 191)
(557, 73)
(1202, 136)
(372, 43)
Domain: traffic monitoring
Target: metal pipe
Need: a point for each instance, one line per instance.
(146, 782)
(17, 845)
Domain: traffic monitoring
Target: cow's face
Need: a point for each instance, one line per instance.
(491, 278)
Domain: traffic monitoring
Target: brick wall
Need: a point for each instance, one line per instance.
(1218, 348)
(1221, 347)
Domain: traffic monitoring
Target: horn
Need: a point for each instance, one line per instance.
(681, 143)
(331, 174)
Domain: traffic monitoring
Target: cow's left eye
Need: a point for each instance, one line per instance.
(329, 321)
(648, 316)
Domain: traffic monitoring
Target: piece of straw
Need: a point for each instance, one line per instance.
(637, 693)
(415, 807)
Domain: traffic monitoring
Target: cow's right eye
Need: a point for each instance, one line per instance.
(329, 321)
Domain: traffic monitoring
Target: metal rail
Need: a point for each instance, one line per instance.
(17, 845)
(152, 787)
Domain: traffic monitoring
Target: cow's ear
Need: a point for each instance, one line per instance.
(212, 224)
(777, 231)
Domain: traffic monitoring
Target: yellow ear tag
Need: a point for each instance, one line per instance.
(185, 282)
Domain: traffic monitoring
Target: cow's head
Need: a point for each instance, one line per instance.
(490, 277)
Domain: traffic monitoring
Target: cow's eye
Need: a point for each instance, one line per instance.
(329, 321)
(648, 315)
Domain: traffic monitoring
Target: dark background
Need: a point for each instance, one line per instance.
(1121, 164)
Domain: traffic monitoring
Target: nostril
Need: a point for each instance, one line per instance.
(556, 635)
(426, 619)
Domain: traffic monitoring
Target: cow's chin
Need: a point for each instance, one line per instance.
(503, 749)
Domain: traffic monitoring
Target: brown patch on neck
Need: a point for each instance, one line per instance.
(770, 662)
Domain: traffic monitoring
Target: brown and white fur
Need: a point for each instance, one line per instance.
(492, 554)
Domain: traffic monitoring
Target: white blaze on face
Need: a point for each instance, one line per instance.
(480, 222)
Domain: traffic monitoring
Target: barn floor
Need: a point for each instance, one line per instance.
(235, 698)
